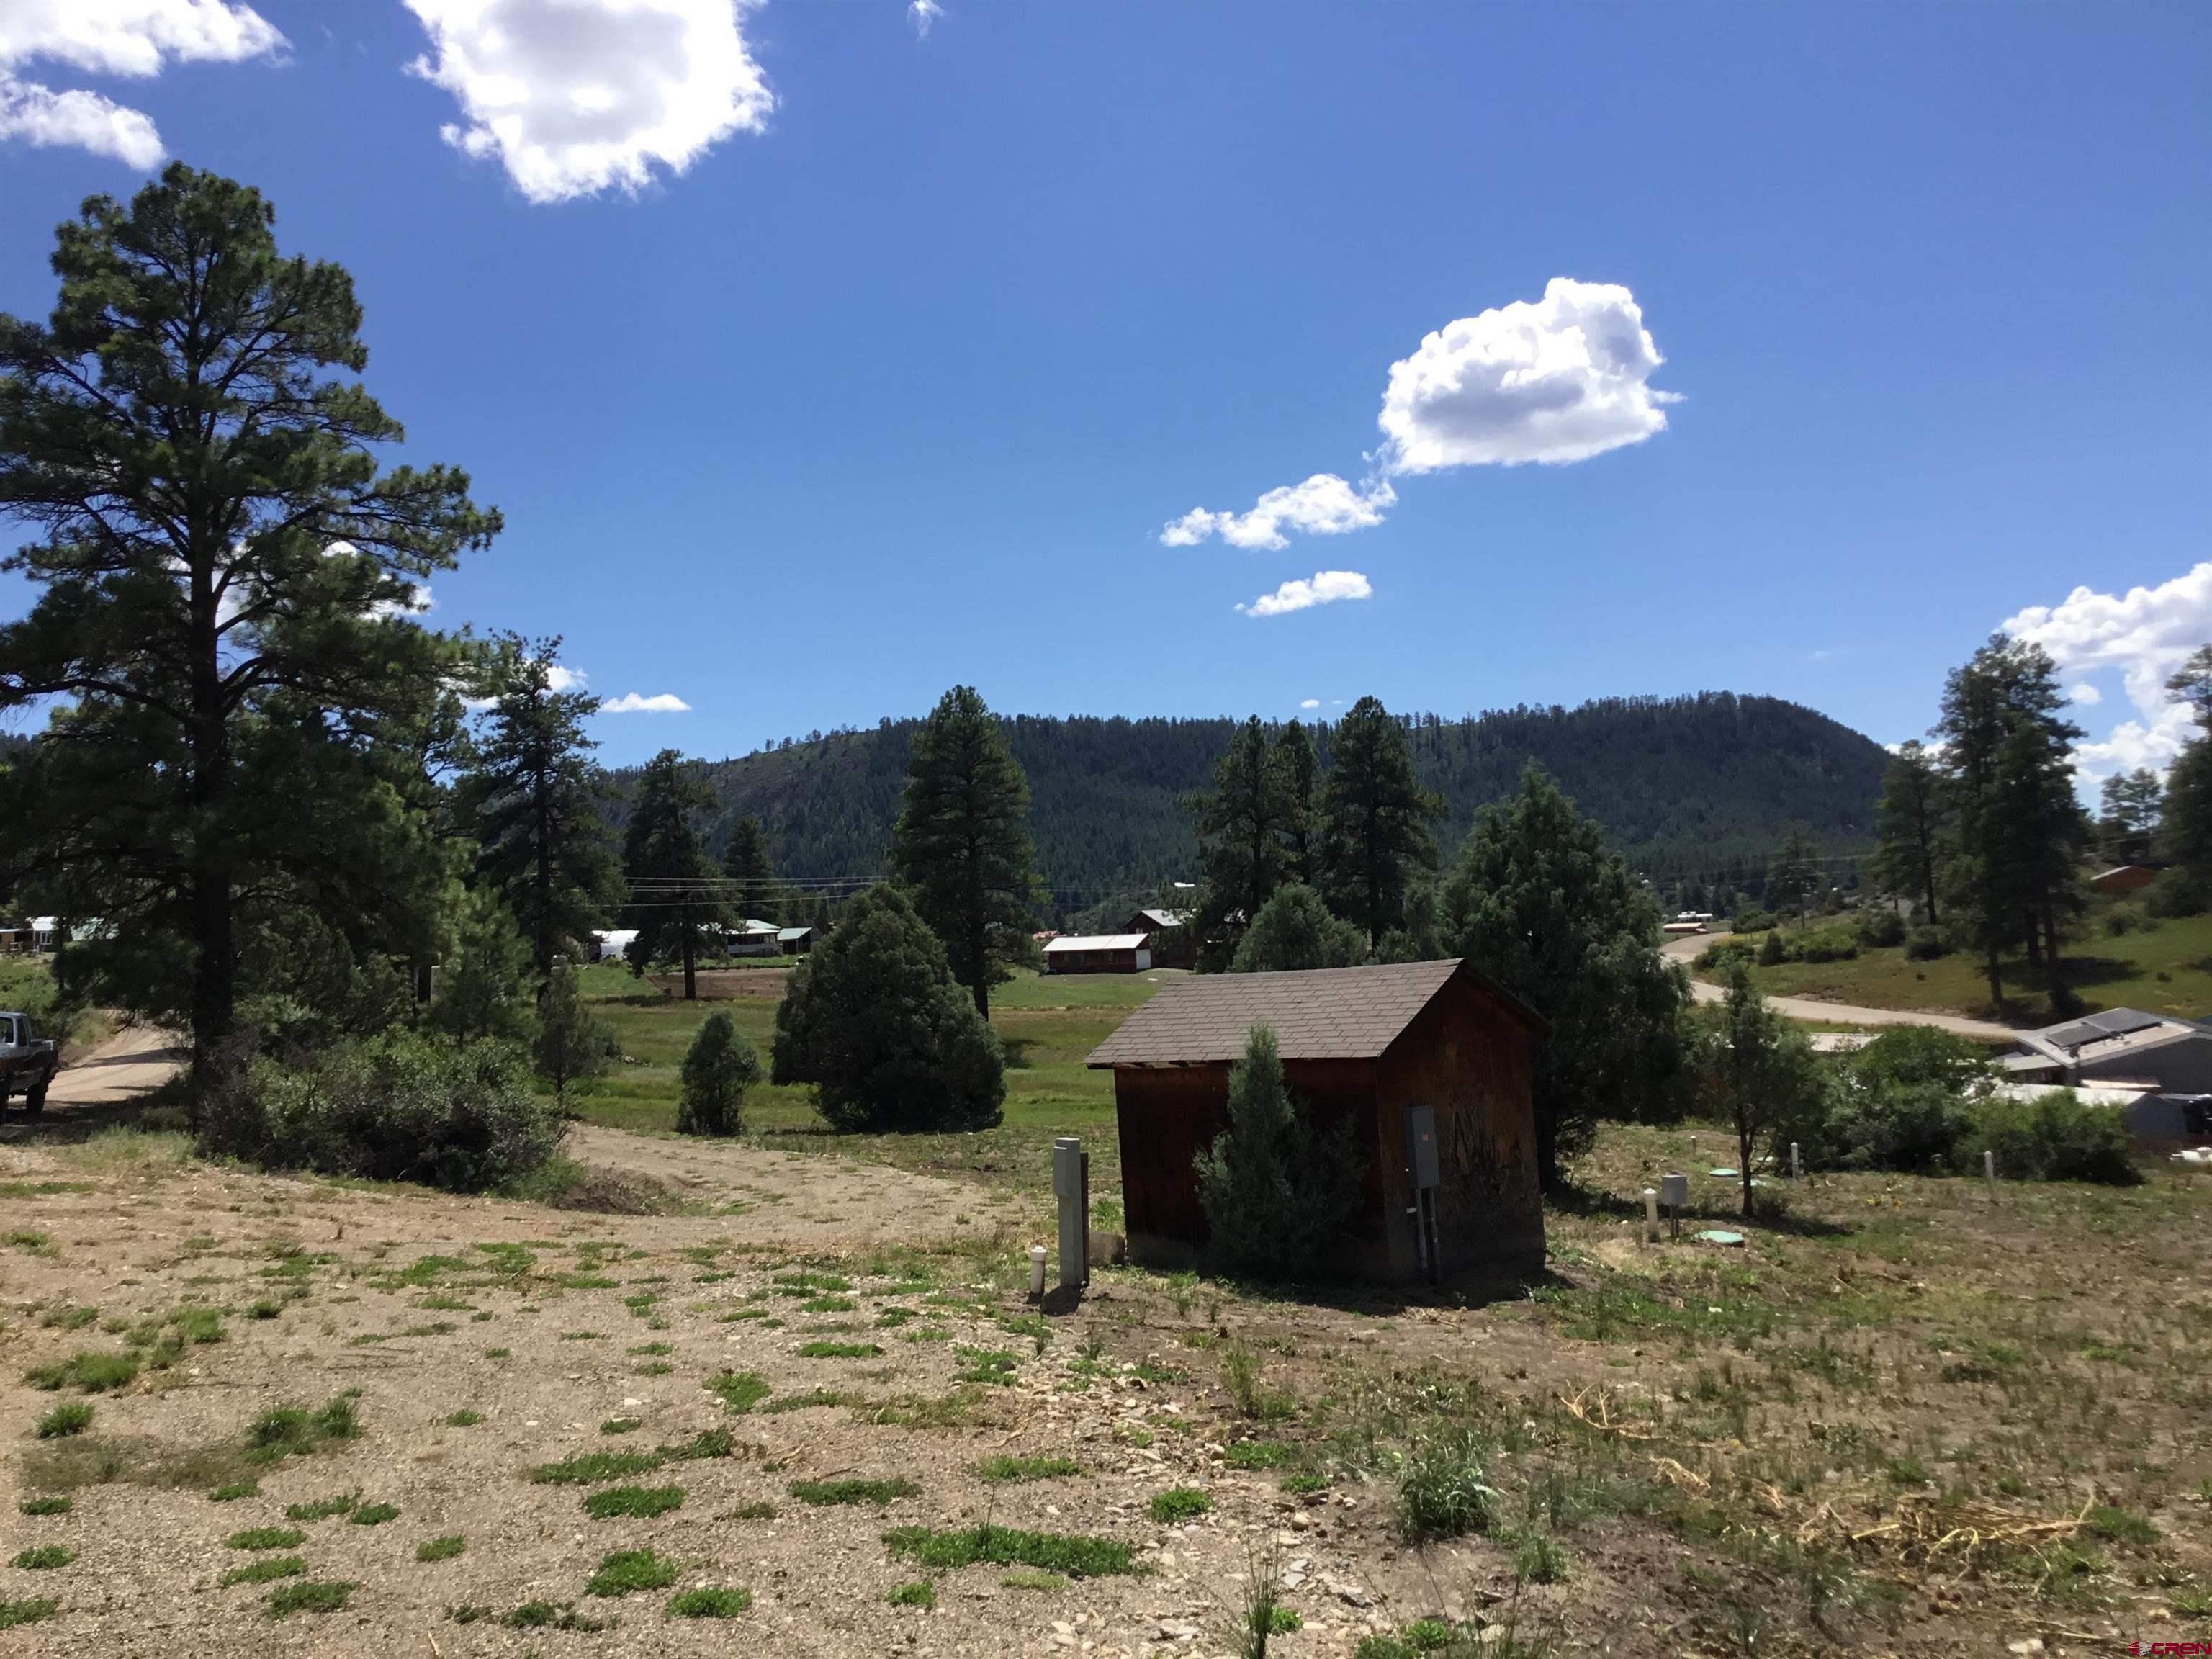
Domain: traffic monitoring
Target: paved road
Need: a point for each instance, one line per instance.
(128, 1063)
(1838, 1013)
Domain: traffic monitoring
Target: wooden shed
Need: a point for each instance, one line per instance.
(1366, 1043)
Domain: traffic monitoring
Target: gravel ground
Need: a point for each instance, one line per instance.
(580, 1320)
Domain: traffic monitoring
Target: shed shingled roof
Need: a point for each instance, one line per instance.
(1323, 1013)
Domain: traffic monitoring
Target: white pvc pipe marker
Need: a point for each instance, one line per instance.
(1989, 1173)
(1036, 1270)
(1650, 1215)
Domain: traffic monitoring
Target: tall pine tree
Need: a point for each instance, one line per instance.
(1377, 817)
(227, 584)
(751, 876)
(1793, 878)
(2019, 832)
(1541, 904)
(530, 800)
(962, 842)
(1243, 825)
(1302, 829)
(1909, 827)
(2185, 828)
(2128, 824)
(675, 901)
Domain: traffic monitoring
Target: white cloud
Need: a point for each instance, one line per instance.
(81, 120)
(1555, 380)
(922, 14)
(1324, 505)
(1558, 380)
(562, 678)
(1326, 587)
(1311, 703)
(417, 603)
(2085, 694)
(578, 96)
(2145, 634)
(129, 38)
(631, 703)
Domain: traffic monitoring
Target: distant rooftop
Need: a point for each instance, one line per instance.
(1096, 942)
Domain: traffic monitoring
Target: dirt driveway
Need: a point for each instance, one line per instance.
(1840, 1013)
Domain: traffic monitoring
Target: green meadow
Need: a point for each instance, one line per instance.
(1048, 1026)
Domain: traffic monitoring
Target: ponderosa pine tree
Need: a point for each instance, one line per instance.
(1243, 824)
(746, 865)
(1793, 878)
(675, 901)
(1378, 817)
(1300, 771)
(1909, 829)
(2127, 825)
(226, 593)
(529, 797)
(2185, 831)
(2018, 831)
(962, 842)
(1540, 904)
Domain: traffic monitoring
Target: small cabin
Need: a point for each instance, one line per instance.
(1430, 1061)
(1098, 953)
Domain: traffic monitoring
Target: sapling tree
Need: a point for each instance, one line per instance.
(573, 1045)
(1753, 1069)
(1278, 1187)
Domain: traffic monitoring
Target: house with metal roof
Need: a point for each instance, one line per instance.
(2165, 1051)
(1429, 1061)
(1098, 953)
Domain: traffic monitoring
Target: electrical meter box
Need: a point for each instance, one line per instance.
(1421, 1147)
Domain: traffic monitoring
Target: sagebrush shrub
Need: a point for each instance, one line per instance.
(400, 1106)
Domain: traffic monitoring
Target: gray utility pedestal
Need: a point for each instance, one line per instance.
(1070, 1184)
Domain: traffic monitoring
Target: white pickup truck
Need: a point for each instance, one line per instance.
(27, 1063)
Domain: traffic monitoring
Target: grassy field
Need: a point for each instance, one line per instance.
(2165, 968)
(1048, 1024)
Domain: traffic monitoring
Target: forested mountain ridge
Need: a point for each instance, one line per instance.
(1695, 785)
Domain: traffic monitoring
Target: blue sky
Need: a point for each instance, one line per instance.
(899, 381)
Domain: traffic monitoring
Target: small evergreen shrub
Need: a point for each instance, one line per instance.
(718, 1069)
(874, 1020)
(1772, 953)
(1278, 1188)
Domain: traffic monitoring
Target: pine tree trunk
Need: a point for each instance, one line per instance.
(214, 967)
(1995, 977)
(691, 960)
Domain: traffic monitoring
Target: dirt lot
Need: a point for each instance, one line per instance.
(1899, 1422)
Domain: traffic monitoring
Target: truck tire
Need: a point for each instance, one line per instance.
(35, 1102)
